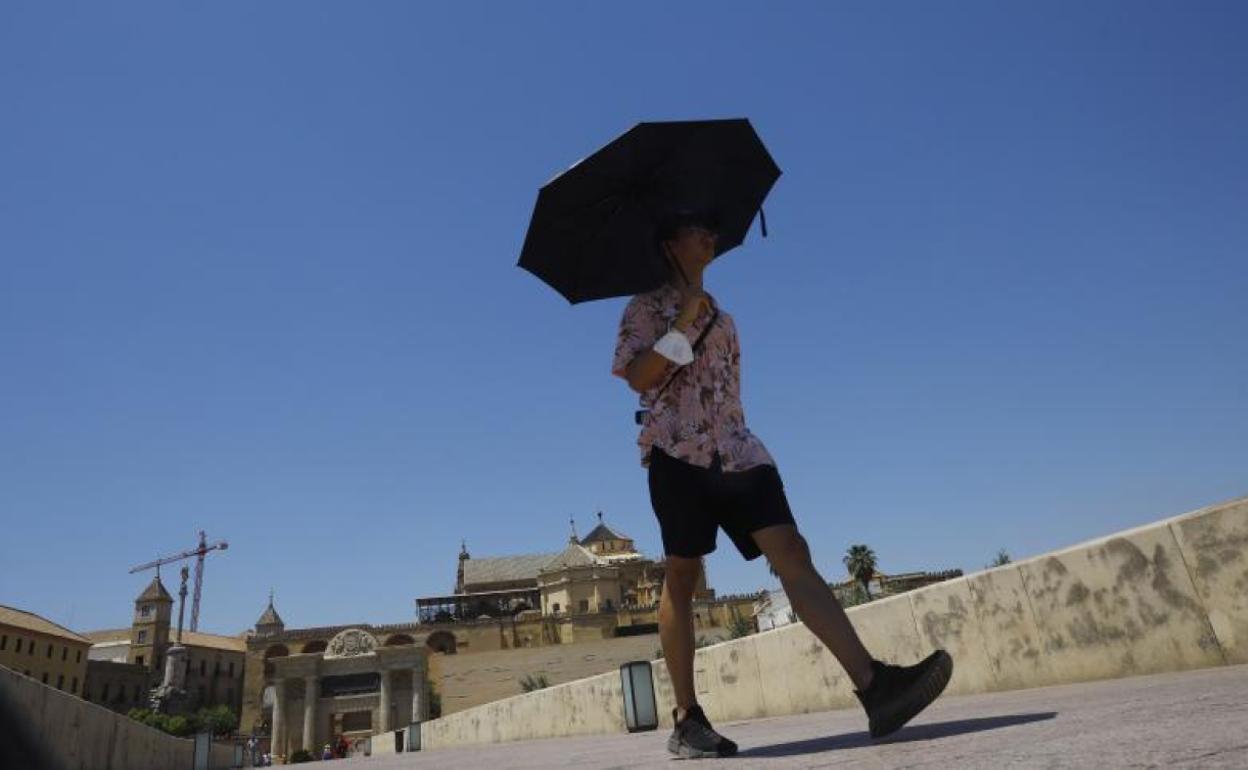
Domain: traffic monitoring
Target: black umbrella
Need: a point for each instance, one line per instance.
(593, 229)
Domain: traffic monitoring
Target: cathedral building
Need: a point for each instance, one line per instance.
(601, 573)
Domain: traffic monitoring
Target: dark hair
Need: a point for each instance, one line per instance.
(671, 223)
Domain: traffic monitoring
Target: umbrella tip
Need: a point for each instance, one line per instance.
(762, 220)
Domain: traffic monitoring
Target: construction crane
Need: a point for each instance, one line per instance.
(200, 552)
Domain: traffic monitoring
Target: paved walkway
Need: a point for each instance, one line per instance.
(1183, 720)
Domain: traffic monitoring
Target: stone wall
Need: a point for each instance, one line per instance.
(465, 681)
(76, 735)
(1167, 596)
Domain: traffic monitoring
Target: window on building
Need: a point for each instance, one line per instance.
(45, 677)
(104, 694)
(49, 652)
(142, 637)
(216, 668)
(17, 644)
(609, 604)
(231, 670)
(79, 658)
(145, 610)
(30, 649)
(203, 667)
(60, 681)
(139, 660)
(64, 653)
(4, 641)
(584, 605)
(73, 688)
(555, 609)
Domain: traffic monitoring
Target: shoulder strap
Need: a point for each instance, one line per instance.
(696, 345)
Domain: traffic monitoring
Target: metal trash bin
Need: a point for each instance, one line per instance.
(413, 736)
(640, 711)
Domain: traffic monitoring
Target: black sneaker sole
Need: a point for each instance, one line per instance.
(917, 697)
(683, 750)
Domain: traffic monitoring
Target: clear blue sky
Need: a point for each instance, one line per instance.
(257, 275)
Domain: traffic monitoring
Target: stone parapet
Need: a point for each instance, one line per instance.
(1168, 596)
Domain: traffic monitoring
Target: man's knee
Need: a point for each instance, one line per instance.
(790, 555)
(680, 576)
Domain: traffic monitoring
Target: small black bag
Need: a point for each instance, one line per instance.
(639, 416)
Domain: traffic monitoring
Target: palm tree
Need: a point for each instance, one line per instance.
(1002, 559)
(860, 561)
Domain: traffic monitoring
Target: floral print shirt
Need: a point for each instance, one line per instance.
(700, 412)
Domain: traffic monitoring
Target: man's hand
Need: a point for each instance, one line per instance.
(692, 302)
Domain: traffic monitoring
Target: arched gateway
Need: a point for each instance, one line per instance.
(354, 687)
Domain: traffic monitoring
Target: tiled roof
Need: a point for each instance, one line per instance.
(213, 641)
(29, 621)
(270, 616)
(108, 635)
(602, 532)
(189, 638)
(155, 592)
(504, 568)
(575, 555)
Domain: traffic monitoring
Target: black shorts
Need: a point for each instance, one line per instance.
(692, 503)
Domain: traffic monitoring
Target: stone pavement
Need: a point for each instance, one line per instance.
(1187, 719)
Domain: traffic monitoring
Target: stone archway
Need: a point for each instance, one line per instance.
(441, 641)
(274, 651)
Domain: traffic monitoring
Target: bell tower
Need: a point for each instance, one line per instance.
(459, 573)
(149, 629)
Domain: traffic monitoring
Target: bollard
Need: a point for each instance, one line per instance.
(640, 711)
(201, 751)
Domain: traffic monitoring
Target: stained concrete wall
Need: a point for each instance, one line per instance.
(1167, 596)
(77, 735)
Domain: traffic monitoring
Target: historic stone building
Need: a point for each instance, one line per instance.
(601, 574)
(126, 663)
(307, 686)
(31, 644)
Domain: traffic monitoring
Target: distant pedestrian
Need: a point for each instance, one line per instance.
(708, 471)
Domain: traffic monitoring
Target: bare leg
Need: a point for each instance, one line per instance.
(676, 626)
(813, 600)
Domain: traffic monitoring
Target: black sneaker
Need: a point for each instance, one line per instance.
(898, 693)
(694, 738)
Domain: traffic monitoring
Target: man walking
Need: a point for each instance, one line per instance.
(708, 471)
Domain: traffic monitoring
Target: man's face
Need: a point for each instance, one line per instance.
(693, 245)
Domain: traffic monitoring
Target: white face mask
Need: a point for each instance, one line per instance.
(675, 347)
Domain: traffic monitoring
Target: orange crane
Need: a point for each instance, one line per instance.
(200, 552)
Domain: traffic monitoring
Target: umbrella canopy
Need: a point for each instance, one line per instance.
(593, 230)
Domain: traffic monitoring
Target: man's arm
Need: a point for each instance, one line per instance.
(646, 370)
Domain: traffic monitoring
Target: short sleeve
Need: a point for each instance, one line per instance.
(640, 327)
